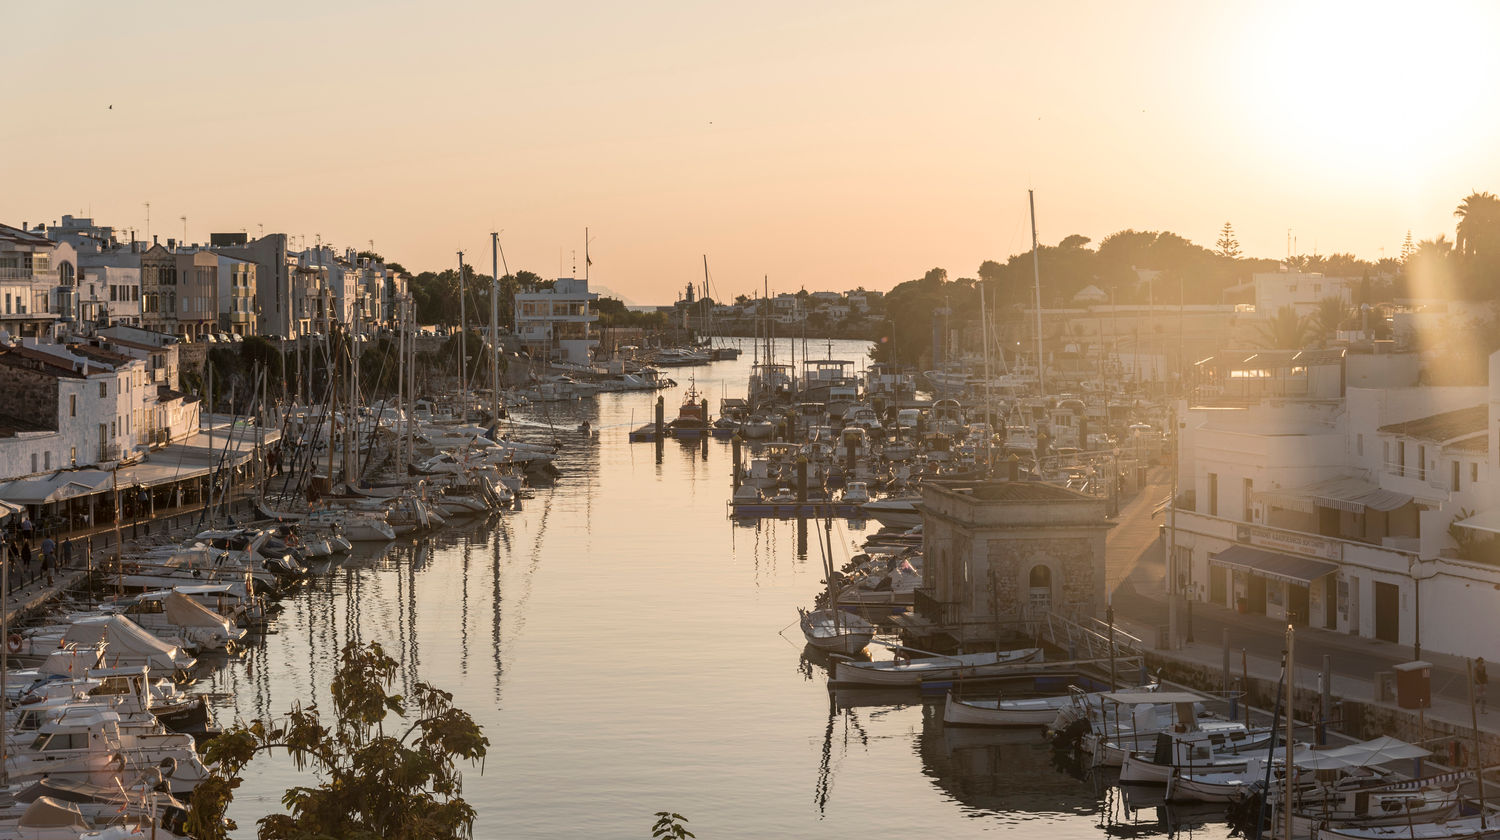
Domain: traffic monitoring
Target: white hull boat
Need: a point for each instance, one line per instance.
(914, 672)
(838, 631)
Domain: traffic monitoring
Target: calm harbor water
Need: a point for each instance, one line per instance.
(628, 650)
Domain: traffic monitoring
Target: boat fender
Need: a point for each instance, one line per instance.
(14, 643)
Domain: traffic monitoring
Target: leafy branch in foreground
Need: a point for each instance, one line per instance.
(372, 784)
(669, 826)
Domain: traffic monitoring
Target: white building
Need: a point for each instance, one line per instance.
(557, 323)
(1302, 291)
(236, 299)
(1371, 511)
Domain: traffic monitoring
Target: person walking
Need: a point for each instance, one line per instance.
(26, 572)
(1481, 682)
(49, 549)
(26, 528)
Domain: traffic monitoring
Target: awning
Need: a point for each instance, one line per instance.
(57, 487)
(1489, 522)
(1350, 494)
(1283, 567)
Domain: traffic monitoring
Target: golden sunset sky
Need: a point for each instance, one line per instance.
(827, 144)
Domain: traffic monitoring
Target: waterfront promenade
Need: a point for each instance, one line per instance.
(1135, 562)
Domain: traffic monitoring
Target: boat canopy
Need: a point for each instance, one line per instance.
(1136, 698)
(1375, 751)
(126, 638)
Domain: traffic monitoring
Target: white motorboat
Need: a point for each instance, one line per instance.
(896, 511)
(914, 672)
(836, 630)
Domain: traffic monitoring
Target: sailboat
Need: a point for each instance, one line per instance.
(833, 629)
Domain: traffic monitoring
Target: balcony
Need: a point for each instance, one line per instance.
(941, 613)
(25, 274)
(108, 452)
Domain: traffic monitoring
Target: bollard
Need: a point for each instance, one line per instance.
(661, 417)
(802, 479)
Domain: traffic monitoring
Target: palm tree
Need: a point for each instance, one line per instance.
(1478, 224)
(1286, 330)
(1331, 313)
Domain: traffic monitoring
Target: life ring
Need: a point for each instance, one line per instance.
(14, 643)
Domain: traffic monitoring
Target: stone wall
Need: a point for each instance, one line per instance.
(30, 396)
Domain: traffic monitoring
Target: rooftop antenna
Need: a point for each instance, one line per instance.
(148, 221)
(184, 229)
(261, 227)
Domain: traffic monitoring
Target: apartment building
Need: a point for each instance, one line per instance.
(1368, 510)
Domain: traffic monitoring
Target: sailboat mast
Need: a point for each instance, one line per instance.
(984, 337)
(463, 346)
(1036, 274)
(495, 323)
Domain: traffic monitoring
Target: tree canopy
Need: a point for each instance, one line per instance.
(371, 783)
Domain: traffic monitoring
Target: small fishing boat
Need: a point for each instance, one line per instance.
(914, 672)
(836, 630)
(1019, 711)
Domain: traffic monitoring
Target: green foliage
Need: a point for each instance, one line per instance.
(614, 313)
(437, 299)
(1286, 330)
(371, 784)
(670, 826)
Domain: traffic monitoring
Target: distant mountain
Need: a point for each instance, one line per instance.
(605, 291)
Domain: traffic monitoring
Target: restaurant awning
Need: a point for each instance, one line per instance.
(1349, 494)
(1284, 567)
(56, 488)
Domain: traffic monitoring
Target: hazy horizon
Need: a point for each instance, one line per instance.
(841, 145)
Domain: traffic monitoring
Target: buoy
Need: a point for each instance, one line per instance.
(14, 643)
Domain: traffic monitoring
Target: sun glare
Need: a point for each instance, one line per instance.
(1344, 88)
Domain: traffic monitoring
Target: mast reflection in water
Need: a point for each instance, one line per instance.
(634, 660)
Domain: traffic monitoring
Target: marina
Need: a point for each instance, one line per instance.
(528, 607)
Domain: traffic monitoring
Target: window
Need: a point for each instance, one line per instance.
(33, 462)
(1213, 494)
(73, 455)
(1455, 476)
(1401, 457)
(1359, 445)
(103, 389)
(1421, 463)
(72, 405)
(1474, 473)
(1249, 494)
(47, 460)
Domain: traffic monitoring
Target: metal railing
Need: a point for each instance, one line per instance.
(1086, 639)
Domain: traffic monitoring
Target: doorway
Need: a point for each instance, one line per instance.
(1387, 612)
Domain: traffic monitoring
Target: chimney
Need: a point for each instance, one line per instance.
(171, 244)
(155, 239)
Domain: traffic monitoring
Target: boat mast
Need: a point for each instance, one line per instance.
(1291, 769)
(984, 336)
(463, 346)
(1036, 273)
(495, 322)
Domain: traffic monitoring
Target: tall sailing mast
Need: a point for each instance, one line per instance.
(1036, 273)
(464, 348)
(495, 323)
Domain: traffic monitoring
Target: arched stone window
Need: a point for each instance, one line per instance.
(65, 273)
(1040, 595)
